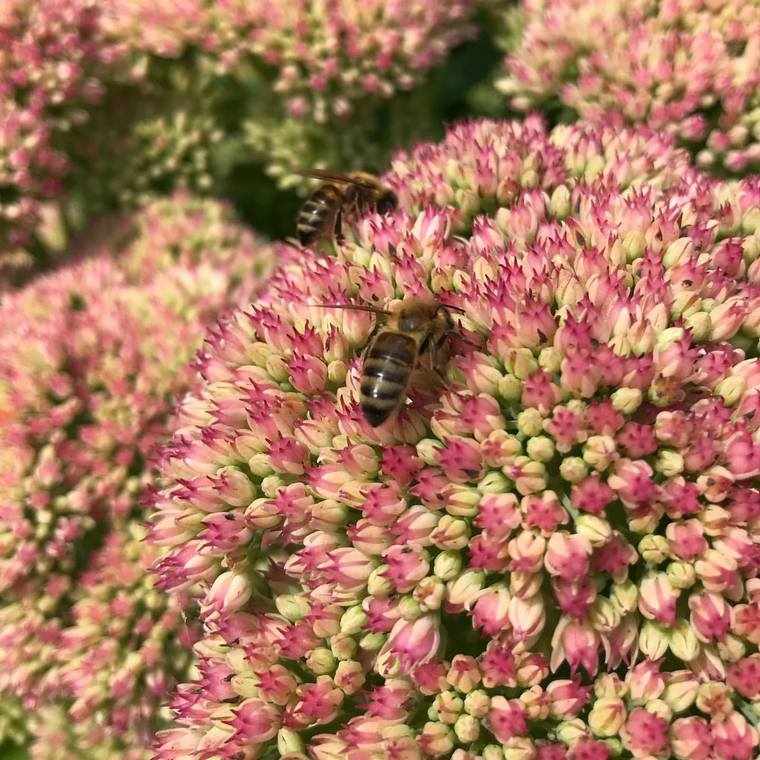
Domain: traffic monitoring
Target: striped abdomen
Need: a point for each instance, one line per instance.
(388, 364)
(317, 215)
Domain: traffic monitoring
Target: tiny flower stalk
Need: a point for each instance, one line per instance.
(553, 557)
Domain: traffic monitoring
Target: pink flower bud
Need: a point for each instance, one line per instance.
(657, 599)
(409, 645)
(229, 593)
(567, 556)
(733, 737)
(506, 718)
(710, 616)
(644, 733)
(491, 610)
(691, 739)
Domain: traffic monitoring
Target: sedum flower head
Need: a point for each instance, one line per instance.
(319, 83)
(92, 359)
(53, 58)
(125, 649)
(687, 68)
(578, 499)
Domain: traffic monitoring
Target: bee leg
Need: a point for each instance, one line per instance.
(338, 228)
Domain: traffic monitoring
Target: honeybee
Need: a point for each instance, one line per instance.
(338, 197)
(418, 330)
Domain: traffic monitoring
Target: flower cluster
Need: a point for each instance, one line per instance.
(552, 556)
(53, 57)
(91, 360)
(311, 78)
(690, 67)
(125, 649)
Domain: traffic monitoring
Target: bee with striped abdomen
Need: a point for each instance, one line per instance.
(340, 197)
(418, 330)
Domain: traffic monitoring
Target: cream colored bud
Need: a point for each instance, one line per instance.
(494, 482)
(477, 703)
(699, 324)
(731, 389)
(627, 400)
(467, 728)
(509, 388)
(353, 620)
(571, 731)
(680, 694)
(519, 748)
(371, 642)
(465, 588)
(428, 450)
(550, 359)
(607, 716)
(559, 203)
(540, 448)
(462, 501)
(530, 422)
(599, 451)
(684, 643)
(448, 565)
(573, 469)
(492, 752)
(596, 529)
(731, 648)
(292, 607)
(289, 741)
(669, 463)
(681, 574)
(653, 640)
(378, 584)
(625, 596)
(654, 549)
(604, 615)
(660, 708)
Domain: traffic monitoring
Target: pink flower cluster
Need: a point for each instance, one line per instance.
(91, 360)
(555, 557)
(52, 59)
(326, 55)
(687, 67)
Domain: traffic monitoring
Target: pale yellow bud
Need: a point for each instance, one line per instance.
(607, 716)
(477, 703)
(467, 728)
(680, 694)
(596, 529)
(684, 643)
(654, 549)
(540, 448)
(627, 400)
(573, 469)
(530, 422)
(599, 451)
(681, 574)
(625, 596)
(669, 463)
(653, 640)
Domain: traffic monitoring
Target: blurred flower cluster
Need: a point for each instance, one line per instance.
(52, 59)
(91, 361)
(555, 556)
(687, 67)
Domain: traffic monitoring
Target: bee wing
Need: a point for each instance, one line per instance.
(344, 179)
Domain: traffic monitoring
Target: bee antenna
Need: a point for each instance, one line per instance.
(350, 306)
(457, 309)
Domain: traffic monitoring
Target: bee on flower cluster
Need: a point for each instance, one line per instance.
(413, 339)
(339, 199)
